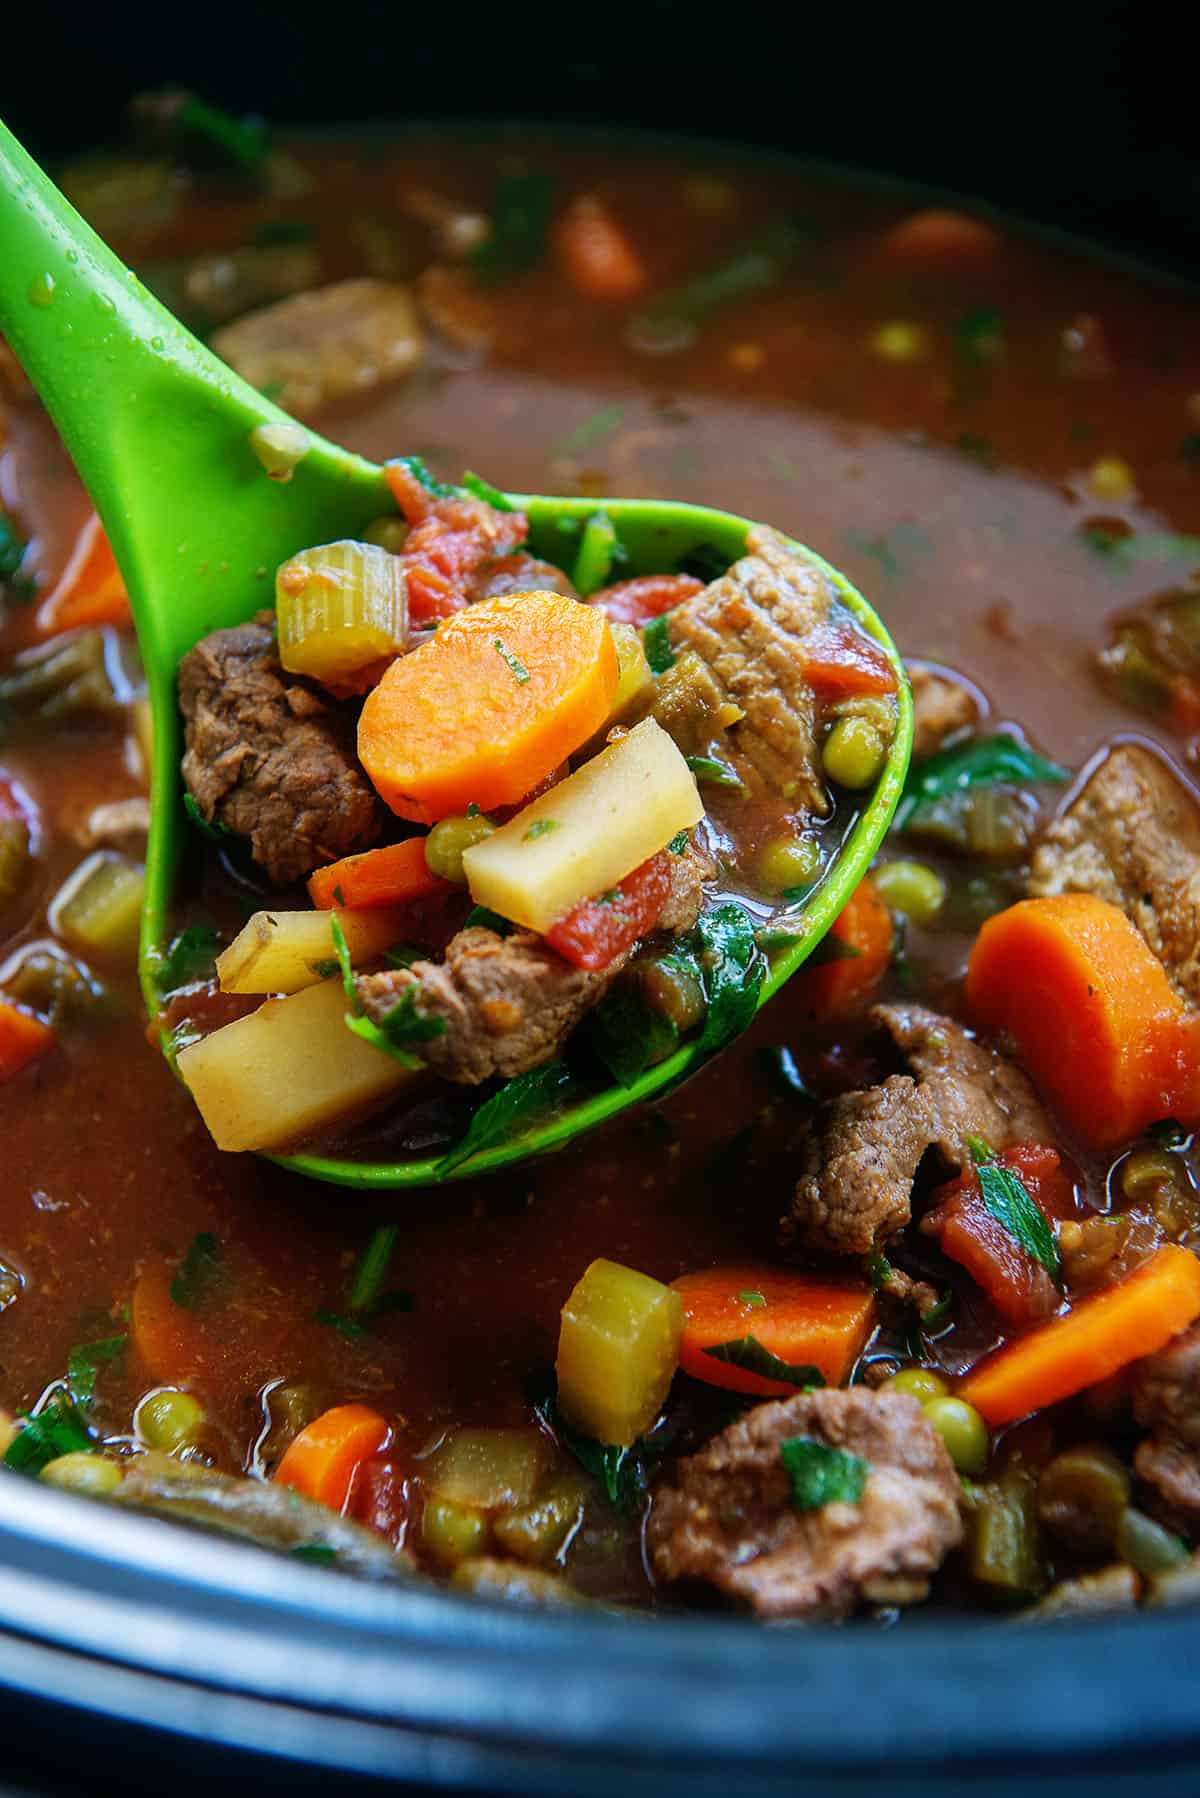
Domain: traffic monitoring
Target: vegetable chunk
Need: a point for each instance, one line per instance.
(618, 1347)
(288, 1069)
(283, 951)
(585, 835)
(494, 704)
(740, 1319)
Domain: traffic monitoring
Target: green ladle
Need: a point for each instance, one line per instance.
(159, 430)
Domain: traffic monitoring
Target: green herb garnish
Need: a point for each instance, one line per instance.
(670, 322)
(716, 773)
(217, 833)
(345, 1326)
(732, 970)
(879, 1269)
(403, 955)
(240, 142)
(622, 1473)
(491, 496)
(982, 762)
(593, 564)
(366, 1289)
(58, 1428)
(519, 1099)
(629, 1036)
(480, 918)
(833, 948)
(517, 668)
(199, 1273)
(519, 227)
(1168, 1133)
(190, 955)
(417, 468)
(679, 842)
(325, 968)
(320, 1553)
(1008, 1200)
(822, 1475)
(541, 827)
(748, 1353)
(401, 1026)
(656, 641)
(84, 1363)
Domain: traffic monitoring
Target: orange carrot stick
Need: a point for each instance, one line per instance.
(322, 1461)
(90, 591)
(23, 1039)
(498, 699)
(387, 876)
(854, 956)
(1093, 1016)
(171, 1340)
(595, 253)
(804, 1319)
(1100, 1335)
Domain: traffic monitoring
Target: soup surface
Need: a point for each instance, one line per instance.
(998, 440)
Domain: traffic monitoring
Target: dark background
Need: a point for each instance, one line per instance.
(1084, 114)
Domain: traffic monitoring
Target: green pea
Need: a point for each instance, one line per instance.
(446, 841)
(169, 1419)
(963, 1431)
(387, 533)
(853, 754)
(920, 1383)
(1147, 1546)
(911, 888)
(787, 862)
(453, 1533)
(672, 986)
(83, 1472)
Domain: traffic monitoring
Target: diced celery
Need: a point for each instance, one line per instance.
(287, 1070)
(488, 1469)
(61, 679)
(340, 607)
(618, 1347)
(597, 826)
(282, 951)
(99, 906)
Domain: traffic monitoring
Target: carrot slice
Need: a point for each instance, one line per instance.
(596, 254)
(323, 1460)
(803, 1319)
(386, 876)
(23, 1039)
(172, 1342)
(487, 709)
(854, 956)
(1093, 1016)
(1102, 1334)
(90, 591)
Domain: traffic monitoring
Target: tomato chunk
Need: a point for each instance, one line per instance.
(596, 931)
(449, 541)
(1015, 1284)
(843, 662)
(646, 596)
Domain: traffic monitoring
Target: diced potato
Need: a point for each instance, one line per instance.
(282, 951)
(618, 1348)
(587, 833)
(99, 906)
(488, 1469)
(290, 1068)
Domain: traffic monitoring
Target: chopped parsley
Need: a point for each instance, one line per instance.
(366, 1289)
(716, 773)
(982, 762)
(518, 669)
(190, 955)
(679, 842)
(58, 1428)
(1008, 1200)
(84, 1363)
(822, 1475)
(199, 1273)
(321, 1553)
(978, 335)
(656, 640)
(420, 473)
(732, 970)
(519, 1100)
(748, 1353)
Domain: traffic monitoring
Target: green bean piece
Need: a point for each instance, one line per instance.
(169, 1419)
(1083, 1495)
(80, 1472)
(538, 1532)
(912, 889)
(1005, 1550)
(593, 564)
(15, 858)
(854, 753)
(920, 1383)
(448, 839)
(672, 986)
(1147, 1546)
(63, 680)
(963, 1431)
(786, 862)
(453, 1533)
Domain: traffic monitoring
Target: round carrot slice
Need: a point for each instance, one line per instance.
(491, 706)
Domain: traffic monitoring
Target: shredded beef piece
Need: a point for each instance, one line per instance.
(942, 707)
(509, 1003)
(1132, 836)
(728, 1516)
(900, 1286)
(750, 629)
(862, 1155)
(325, 345)
(1166, 1401)
(269, 758)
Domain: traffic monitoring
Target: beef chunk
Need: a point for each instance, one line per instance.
(749, 630)
(728, 1517)
(269, 758)
(942, 707)
(862, 1155)
(1133, 837)
(325, 345)
(1166, 1400)
(510, 1002)
(521, 573)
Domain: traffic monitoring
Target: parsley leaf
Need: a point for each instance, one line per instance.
(491, 496)
(755, 1299)
(629, 1036)
(732, 970)
(656, 641)
(983, 762)
(216, 833)
(402, 1025)
(480, 918)
(519, 1099)
(321, 1553)
(622, 1473)
(190, 955)
(520, 226)
(419, 471)
(516, 667)
(84, 1363)
(679, 842)
(1009, 1202)
(822, 1475)
(199, 1272)
(748, 1353)
(978, 335)
(58, 1428)
(716, 773)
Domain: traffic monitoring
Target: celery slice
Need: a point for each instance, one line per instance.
(99, 906)
(340, 607)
